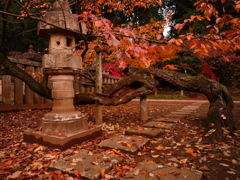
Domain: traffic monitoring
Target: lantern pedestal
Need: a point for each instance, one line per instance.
(64, 126)
(63, 119)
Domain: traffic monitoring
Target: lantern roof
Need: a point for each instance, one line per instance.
(60, 21)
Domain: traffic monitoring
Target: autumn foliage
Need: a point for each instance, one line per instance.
(145, 46)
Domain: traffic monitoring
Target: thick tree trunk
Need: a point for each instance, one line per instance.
(146, 80)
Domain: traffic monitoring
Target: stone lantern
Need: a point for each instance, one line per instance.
(63, 126)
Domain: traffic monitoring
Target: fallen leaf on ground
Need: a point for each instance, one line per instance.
(77, 160)
(183, 161)
(136, 172)
(162, 174)
(151, 174)
(176, 173)
(225, 165)
(204, 168)
(102, 172)
(234, 161)
(15, 175)
(69, 169)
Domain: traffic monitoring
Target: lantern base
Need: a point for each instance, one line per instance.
(62, 142)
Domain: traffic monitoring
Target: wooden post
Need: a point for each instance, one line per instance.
(181, 93)
(98, 87)
(6, 90)
(87, 89)
(18, 91)
(92, 89)
(143, 108)
(29, 94)
(38, 78)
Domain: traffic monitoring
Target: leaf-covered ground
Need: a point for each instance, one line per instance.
(177, 147)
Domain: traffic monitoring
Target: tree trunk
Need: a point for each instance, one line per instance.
(147, 80)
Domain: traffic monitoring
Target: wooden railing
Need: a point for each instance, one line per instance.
(15, 94)
(83, 85)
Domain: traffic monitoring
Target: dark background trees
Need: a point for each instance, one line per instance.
(16, 33)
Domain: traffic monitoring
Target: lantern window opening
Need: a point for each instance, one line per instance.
(69, 42)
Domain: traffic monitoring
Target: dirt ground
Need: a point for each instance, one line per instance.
(221, 161)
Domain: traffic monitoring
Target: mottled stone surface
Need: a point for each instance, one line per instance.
(62, 141)
(64, 123)
(124, 143)
(62, 60)
(169, 120)
(87, 163)
(63, 118)
(155, 124)
(148, 132)
(146, 170)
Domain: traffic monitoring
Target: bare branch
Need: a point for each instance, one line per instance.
(26, 31)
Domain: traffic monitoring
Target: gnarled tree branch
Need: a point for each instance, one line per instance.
(146, 80)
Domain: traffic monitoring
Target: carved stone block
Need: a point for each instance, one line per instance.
(62, 60)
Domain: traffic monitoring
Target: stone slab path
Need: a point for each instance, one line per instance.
(146, 170)
(143, 131)
(156, 124)
(165, 119)
(88, 164)
(134, 139)
(124, 143)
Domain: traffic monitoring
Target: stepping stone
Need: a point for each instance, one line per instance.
(199, 103)
(148, 132)
(180, 116)
(87, 163)
(124, 143)
(155, 124)
(168, 120)
(191, 108)
(185, 112)
(146, 170)
(180, 113)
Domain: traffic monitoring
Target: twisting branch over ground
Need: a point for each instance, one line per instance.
(147, 80)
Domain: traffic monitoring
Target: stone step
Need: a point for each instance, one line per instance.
(180, 116)
(184, 113)
(88, 164)
(167, 120)
(156, 124)
(147, 170)
(190, 108)
(130, 144)
(148, 132)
